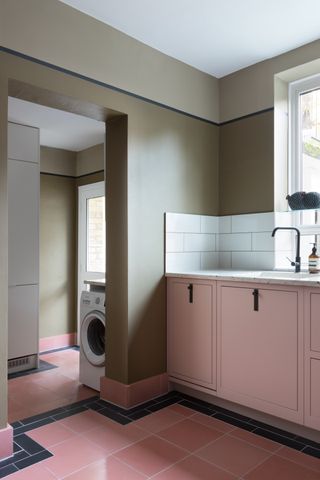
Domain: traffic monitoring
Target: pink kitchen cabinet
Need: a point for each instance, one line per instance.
(312, 359)
(192, 332)
(260, 348)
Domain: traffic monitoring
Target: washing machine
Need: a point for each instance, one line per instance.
(92, 338)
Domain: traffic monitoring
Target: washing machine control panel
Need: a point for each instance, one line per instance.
(92, 299)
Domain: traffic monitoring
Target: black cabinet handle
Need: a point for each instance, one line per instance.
(255, 294)
(190, 288)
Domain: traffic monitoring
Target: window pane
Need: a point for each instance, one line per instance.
(310, 131)
(96, 235)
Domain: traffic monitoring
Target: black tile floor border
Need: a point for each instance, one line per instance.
(60, 349)
(43, 366)
(28, 452)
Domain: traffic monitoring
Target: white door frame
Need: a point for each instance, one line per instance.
(85, 192)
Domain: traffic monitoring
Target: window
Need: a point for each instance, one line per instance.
(96, 235)
(304, 151)
(304, 146)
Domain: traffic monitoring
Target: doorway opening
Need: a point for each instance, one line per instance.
(71, 160)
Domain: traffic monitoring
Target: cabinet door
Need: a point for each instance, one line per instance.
(23, 321)
(23, 206)
(23, 143)
(259, 356)
(312, 359)
(192, 332)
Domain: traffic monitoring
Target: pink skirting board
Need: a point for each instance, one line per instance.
(57, 341)
(127, 396)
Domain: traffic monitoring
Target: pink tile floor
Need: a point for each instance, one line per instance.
(175, 443)
(44, 391)
(89, 446)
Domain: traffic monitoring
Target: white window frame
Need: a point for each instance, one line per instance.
(85, 192)
(297, 88)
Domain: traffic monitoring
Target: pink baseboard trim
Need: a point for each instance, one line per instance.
(6, 442)
(57, 341)
(127, 396)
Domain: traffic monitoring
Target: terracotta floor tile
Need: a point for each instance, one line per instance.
(151, 455)
(277, 468)
(193, 468)
(71, 455)
(213, 423)
(35, 472)
(190, 435)
(159, 420)
(109, 469)
(234, 455)
(82, 422)
(51, 434)
(300, 458)
(113, 437)
(256, 440)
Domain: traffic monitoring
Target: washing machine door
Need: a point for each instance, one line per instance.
(92, 335)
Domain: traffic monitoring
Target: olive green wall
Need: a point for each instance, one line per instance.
(58, 233)
(52, 31)
(57, 255)
(246, 173)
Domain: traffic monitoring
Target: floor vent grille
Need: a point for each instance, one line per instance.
(22, 363)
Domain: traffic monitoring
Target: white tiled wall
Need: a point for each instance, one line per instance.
(199, 242)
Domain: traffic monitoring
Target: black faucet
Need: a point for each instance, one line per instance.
(297, 263)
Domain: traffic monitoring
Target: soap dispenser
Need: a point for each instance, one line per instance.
(314, 260)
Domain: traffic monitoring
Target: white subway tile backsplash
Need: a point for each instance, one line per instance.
(285, 219)
(182, 262)
(209, 260)
(225, 260)
(256, 222)
(209, 224)
(253, 260)
(196, 242)
(263, 241)
(199, 242)
(174, 242)
(234, 242)
(281, 260)
(181, 223)
(225, 224)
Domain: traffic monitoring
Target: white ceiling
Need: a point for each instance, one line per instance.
(217, 37)
(58, 129)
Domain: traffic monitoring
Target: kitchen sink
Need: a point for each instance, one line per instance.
(286, 275)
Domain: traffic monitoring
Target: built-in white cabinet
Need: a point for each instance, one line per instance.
(192, 332)
(23, 236)
(23, 210)
(23, 143)
(22, 327)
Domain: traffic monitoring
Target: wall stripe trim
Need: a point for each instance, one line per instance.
(103, 84)
(244, 117)
(71, 176)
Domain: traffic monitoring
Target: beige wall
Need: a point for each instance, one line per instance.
(58, 161)
(58, 233)
(252, 89)
(57, 255)
(82, 44)
(90, 160)
(172, 163)
(246, 173)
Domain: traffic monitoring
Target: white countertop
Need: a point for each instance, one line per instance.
(98, 282)
(271, 277)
